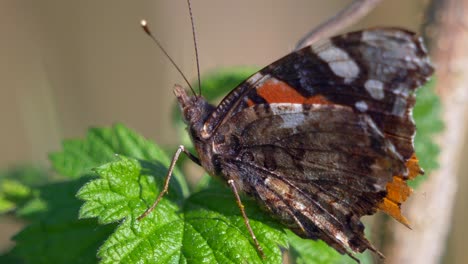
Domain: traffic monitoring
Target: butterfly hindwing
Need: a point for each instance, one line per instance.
(319, 170)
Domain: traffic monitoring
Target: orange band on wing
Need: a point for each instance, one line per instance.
(393, 209)
(398, 191)
(275, 91)
(413, 167)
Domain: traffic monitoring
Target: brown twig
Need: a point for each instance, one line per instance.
(346, 17)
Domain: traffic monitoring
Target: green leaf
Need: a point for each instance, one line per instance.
(31, 207)
(122, 189)
(213, 214)
(207, 227)
(427, 115)
(11, 193)
(206, 182)
(26, 174)
(17, 185)
(220, 82)
(56, 235)
(306, 251)
(79, 157)
(8, 257)
(6, 205)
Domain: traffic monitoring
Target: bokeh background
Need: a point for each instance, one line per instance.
(68, 65)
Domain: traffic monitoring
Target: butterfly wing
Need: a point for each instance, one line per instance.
(319, 170)
(373, 71)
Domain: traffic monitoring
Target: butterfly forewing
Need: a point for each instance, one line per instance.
(373, 71)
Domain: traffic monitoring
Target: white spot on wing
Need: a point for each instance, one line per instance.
(379, 187)
(399, 108)
(375, 89)
(254, 78)
(361, 106)
(285, 108)
(346, 69)
(338, 60)
(291, 114)
(262, 79)
(402, 90)
(332, 53)
(292, 120)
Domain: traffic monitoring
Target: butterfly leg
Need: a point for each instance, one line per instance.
(192, 157)
(168, 178)
(246, 219)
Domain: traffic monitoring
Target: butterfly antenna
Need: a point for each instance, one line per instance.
(195, 45)
(145, 27)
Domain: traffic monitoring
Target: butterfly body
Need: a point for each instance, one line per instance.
(322, 136)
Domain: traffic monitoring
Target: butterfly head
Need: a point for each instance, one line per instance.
(194, 108)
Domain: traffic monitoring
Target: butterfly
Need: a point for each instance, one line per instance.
(320, 137)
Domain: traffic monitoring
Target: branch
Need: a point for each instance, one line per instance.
(430, 209)
(346, 17)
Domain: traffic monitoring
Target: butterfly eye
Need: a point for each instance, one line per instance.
(191, 113)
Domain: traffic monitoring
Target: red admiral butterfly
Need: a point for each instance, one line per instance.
(320, 137)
